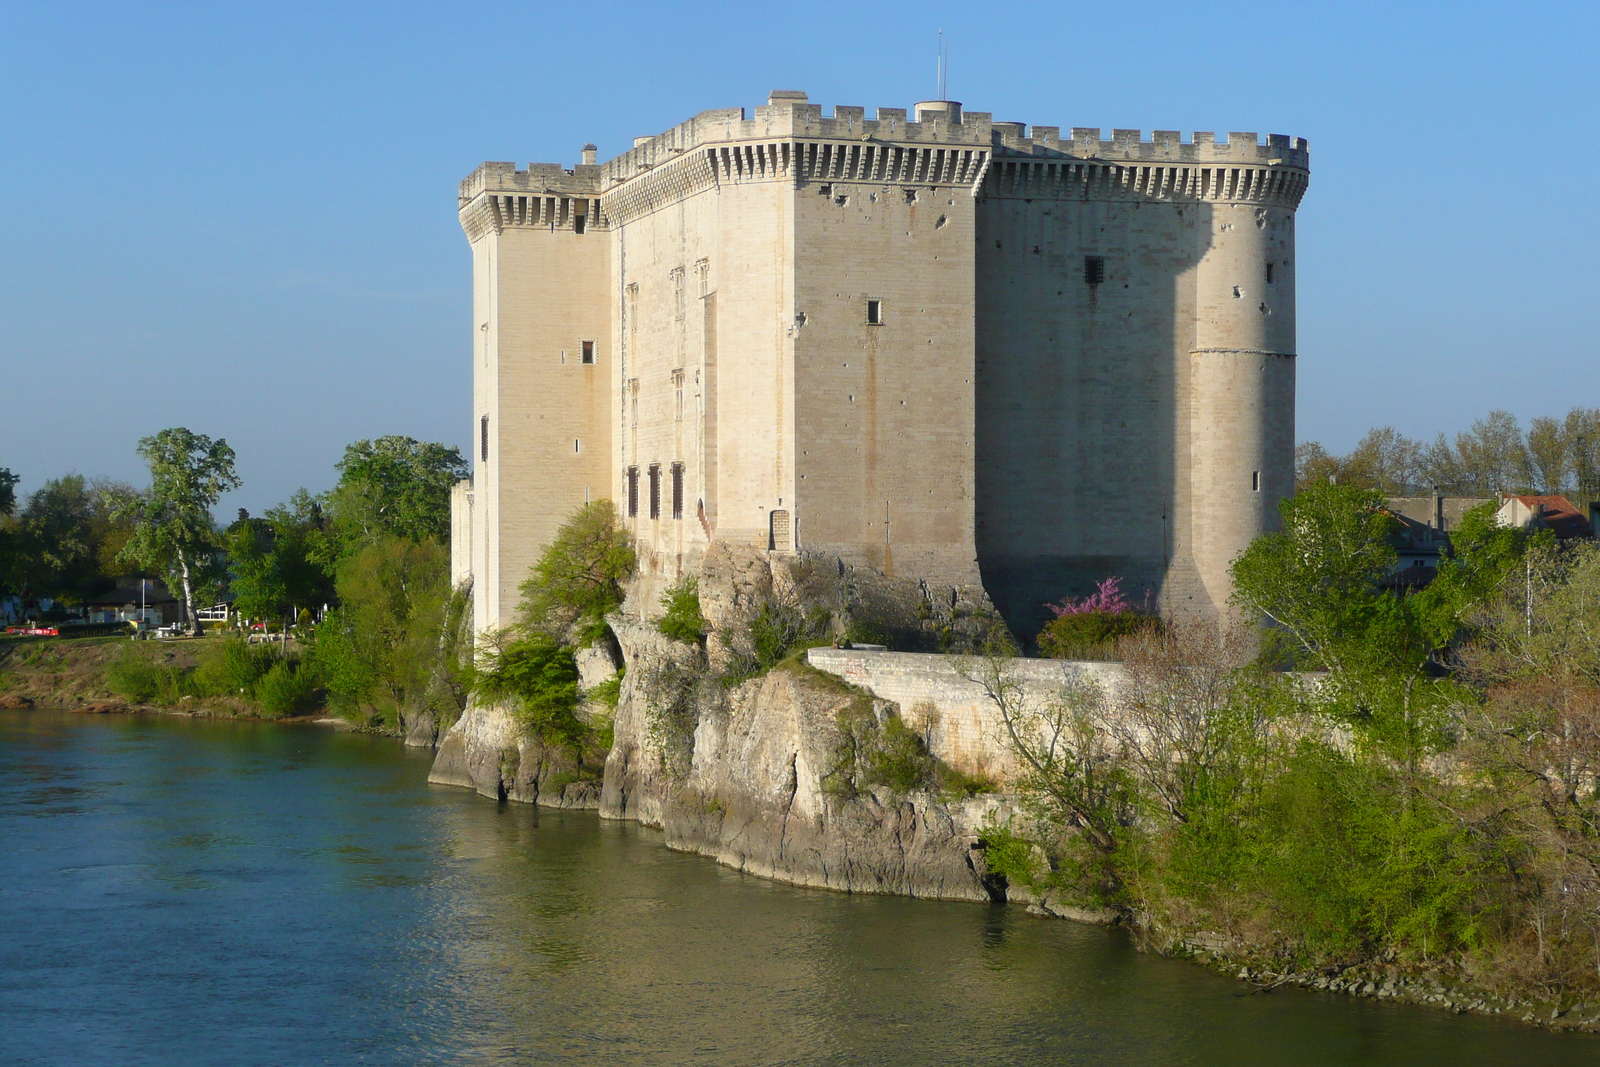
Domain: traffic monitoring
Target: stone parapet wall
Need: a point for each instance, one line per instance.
(960, 723)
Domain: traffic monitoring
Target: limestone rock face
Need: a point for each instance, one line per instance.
(485, 751)
(472, 752)
(422, 730)
(757, 793)
(748, 775)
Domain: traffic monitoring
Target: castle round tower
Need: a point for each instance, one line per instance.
(1241, 375)
(1135, 362)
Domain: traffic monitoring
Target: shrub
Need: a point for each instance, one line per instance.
(232, 667)
(607, 692)
(285, 690)
(134, 678)
(379, 652)
(871, 753)
(540, 677)
(578, 579)
(683, 621)
(779, 629)
(1091, 634)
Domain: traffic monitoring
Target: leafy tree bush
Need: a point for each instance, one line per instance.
(286, 690)
(877, 752)
(1088, 628)
(396, 487)
(173, 527)
(578, 579)
(281, 562)
(232, 667)
(682, 620)
(134, 678)
(778, 630)
(1090, 635)
(539, 676)
(139, 680)
(378, 652)
(607, 692)
(1429, 802)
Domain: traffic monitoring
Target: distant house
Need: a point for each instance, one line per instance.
(133, 598)
(1554, 513)
(1424, 535)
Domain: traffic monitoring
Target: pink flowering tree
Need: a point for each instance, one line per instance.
(1107, 599)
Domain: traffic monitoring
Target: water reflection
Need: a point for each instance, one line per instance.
(248, 894)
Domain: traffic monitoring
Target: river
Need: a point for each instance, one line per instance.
(182, 892)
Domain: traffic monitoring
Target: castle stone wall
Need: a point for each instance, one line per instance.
(1015, 414)
(885, 410)
(540, 292)
(956, 718)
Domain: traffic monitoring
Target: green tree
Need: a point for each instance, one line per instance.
(276, 562)
(67, 537)
(378, 651)
(255, 569)
(1493, 456)
(1319, 576)
(682, 620)
(1320, 579)
(397, 486)
(173, 527)
(10, 557)
(578, 579)
(539, 676)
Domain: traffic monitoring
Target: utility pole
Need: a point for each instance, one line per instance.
(1527, 610)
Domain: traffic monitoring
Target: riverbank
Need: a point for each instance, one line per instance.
(77, 674)
(246, 893)
(768, 793)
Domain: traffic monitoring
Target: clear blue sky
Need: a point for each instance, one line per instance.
(241, 218)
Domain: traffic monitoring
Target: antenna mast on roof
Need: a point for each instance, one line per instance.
(943, 63)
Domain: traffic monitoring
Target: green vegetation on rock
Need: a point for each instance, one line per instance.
(1423, 801)
(682, 620)
(577, 580)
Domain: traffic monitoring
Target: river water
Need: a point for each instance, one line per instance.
(180, 892)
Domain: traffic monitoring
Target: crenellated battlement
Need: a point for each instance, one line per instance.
(1164, 146)
(790, 139)
(788, 115)
(498, 195)
(542, 178)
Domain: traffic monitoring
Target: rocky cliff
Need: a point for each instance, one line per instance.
(763, 783)
(768, 775)
(486, 750)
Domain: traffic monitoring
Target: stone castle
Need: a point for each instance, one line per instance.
(990, 360)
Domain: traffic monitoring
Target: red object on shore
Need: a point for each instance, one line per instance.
(35, 631)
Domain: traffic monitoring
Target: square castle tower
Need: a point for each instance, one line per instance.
(995, 362)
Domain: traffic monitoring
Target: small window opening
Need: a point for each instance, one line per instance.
(1255, 481)
(655, 490)
(483, 439)
(677, 386)
(575, 444)
(911, 196)
(633, 492)
(577, 223)
(1094, 270)
(677, 490)
(824, 190)
(875, 312)
(1269, 273)
(588, 351)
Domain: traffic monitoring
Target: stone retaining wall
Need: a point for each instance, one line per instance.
(961, 724)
